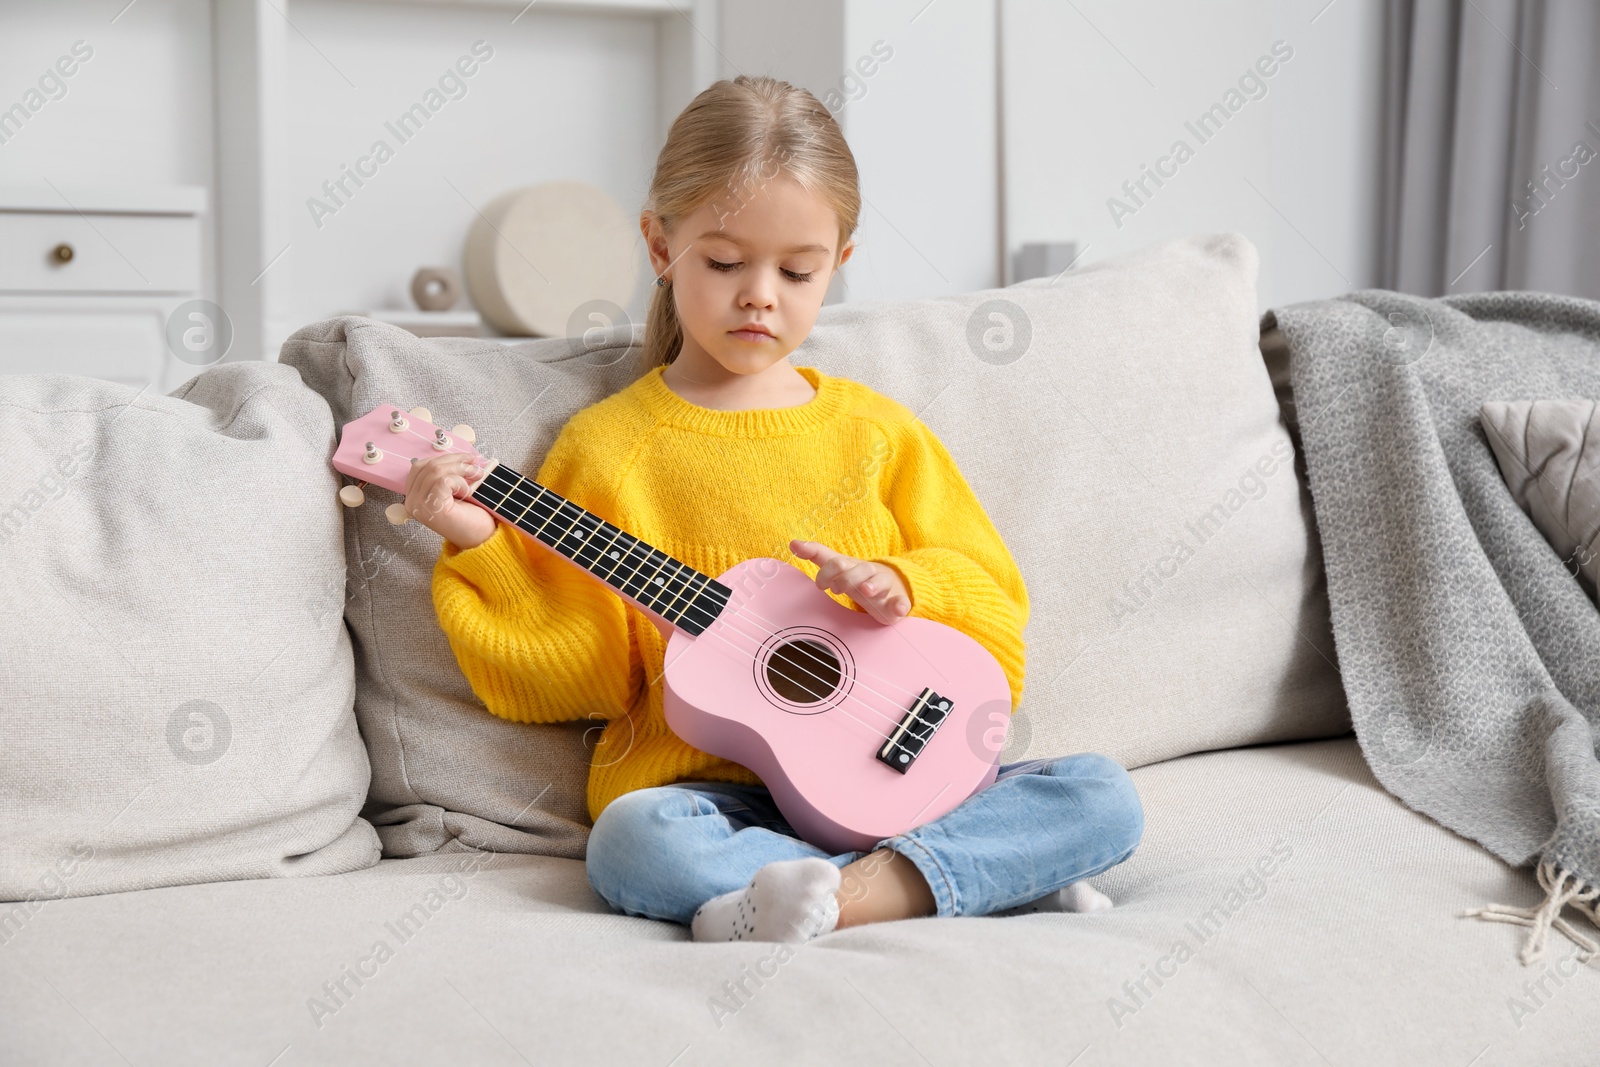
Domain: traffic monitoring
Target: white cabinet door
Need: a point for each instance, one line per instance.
(119, 338)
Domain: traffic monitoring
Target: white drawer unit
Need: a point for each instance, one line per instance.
(89, 278)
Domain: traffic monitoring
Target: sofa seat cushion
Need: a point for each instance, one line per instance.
(1340, 942)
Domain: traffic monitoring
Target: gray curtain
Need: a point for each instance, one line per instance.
(1491, 160)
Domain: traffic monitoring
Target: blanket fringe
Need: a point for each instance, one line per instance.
(1558, 894)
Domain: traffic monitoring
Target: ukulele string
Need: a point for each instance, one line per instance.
(876, 732)
(850, 696)
(745, 611)
(893, 719)
(817, 658)
(762, 635)
(647, 558)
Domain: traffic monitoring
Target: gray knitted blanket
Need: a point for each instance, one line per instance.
(1469, 653)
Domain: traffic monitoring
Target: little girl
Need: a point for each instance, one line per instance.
(722, 452)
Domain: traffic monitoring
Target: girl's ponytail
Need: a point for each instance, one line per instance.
(732, 138)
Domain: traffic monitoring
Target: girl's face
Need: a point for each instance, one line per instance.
(748, 275)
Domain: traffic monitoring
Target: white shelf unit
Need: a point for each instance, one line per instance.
(256, 205)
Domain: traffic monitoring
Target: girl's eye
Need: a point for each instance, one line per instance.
(793, 276)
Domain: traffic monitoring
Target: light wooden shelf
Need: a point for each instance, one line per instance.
(119, 199)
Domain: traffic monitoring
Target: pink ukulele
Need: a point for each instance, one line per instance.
(860, 731)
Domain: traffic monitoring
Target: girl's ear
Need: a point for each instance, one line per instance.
(655, 240)
(844, 253)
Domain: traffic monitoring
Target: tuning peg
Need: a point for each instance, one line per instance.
(351, 496)
(396, 513)
(421, 413)
(463, 431)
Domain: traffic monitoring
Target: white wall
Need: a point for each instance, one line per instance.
(1325, 140)
(1098, 89)
(564, 96)
(923, 132)
(137, 113)
(1092, 92)
(912, 87)
(578, 95)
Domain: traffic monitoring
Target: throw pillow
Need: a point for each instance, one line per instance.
(178, 687)
(1549, 455)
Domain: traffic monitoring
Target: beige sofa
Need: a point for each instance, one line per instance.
(254, 815)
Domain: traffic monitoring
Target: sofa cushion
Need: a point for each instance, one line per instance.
(177, 691)
(443, 768)
(1549, 455)
(1119, 427)
(1317, 915)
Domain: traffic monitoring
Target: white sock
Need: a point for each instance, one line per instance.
(1079, 896)
(788, 900)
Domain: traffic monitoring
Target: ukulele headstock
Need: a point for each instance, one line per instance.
(380, 447)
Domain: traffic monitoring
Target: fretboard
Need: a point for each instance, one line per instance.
(676, 591)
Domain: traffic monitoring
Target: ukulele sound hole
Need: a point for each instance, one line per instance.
(804, 672)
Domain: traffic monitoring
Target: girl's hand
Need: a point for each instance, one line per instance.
(876, 587)
(436, 489)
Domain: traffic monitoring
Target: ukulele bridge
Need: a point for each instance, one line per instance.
(928, 712)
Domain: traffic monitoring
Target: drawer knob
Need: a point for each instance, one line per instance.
(62, 253)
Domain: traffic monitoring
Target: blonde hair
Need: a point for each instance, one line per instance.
(734, 136)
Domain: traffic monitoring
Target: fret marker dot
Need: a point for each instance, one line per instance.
(661, 581)
(616, 555)
(904, 758)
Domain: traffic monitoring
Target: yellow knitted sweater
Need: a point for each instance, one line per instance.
(541, 641)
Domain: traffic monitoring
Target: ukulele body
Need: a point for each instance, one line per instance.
(807, 693)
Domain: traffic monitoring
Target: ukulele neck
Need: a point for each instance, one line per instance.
(683, 596)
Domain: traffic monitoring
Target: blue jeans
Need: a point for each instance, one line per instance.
(1043, 824)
